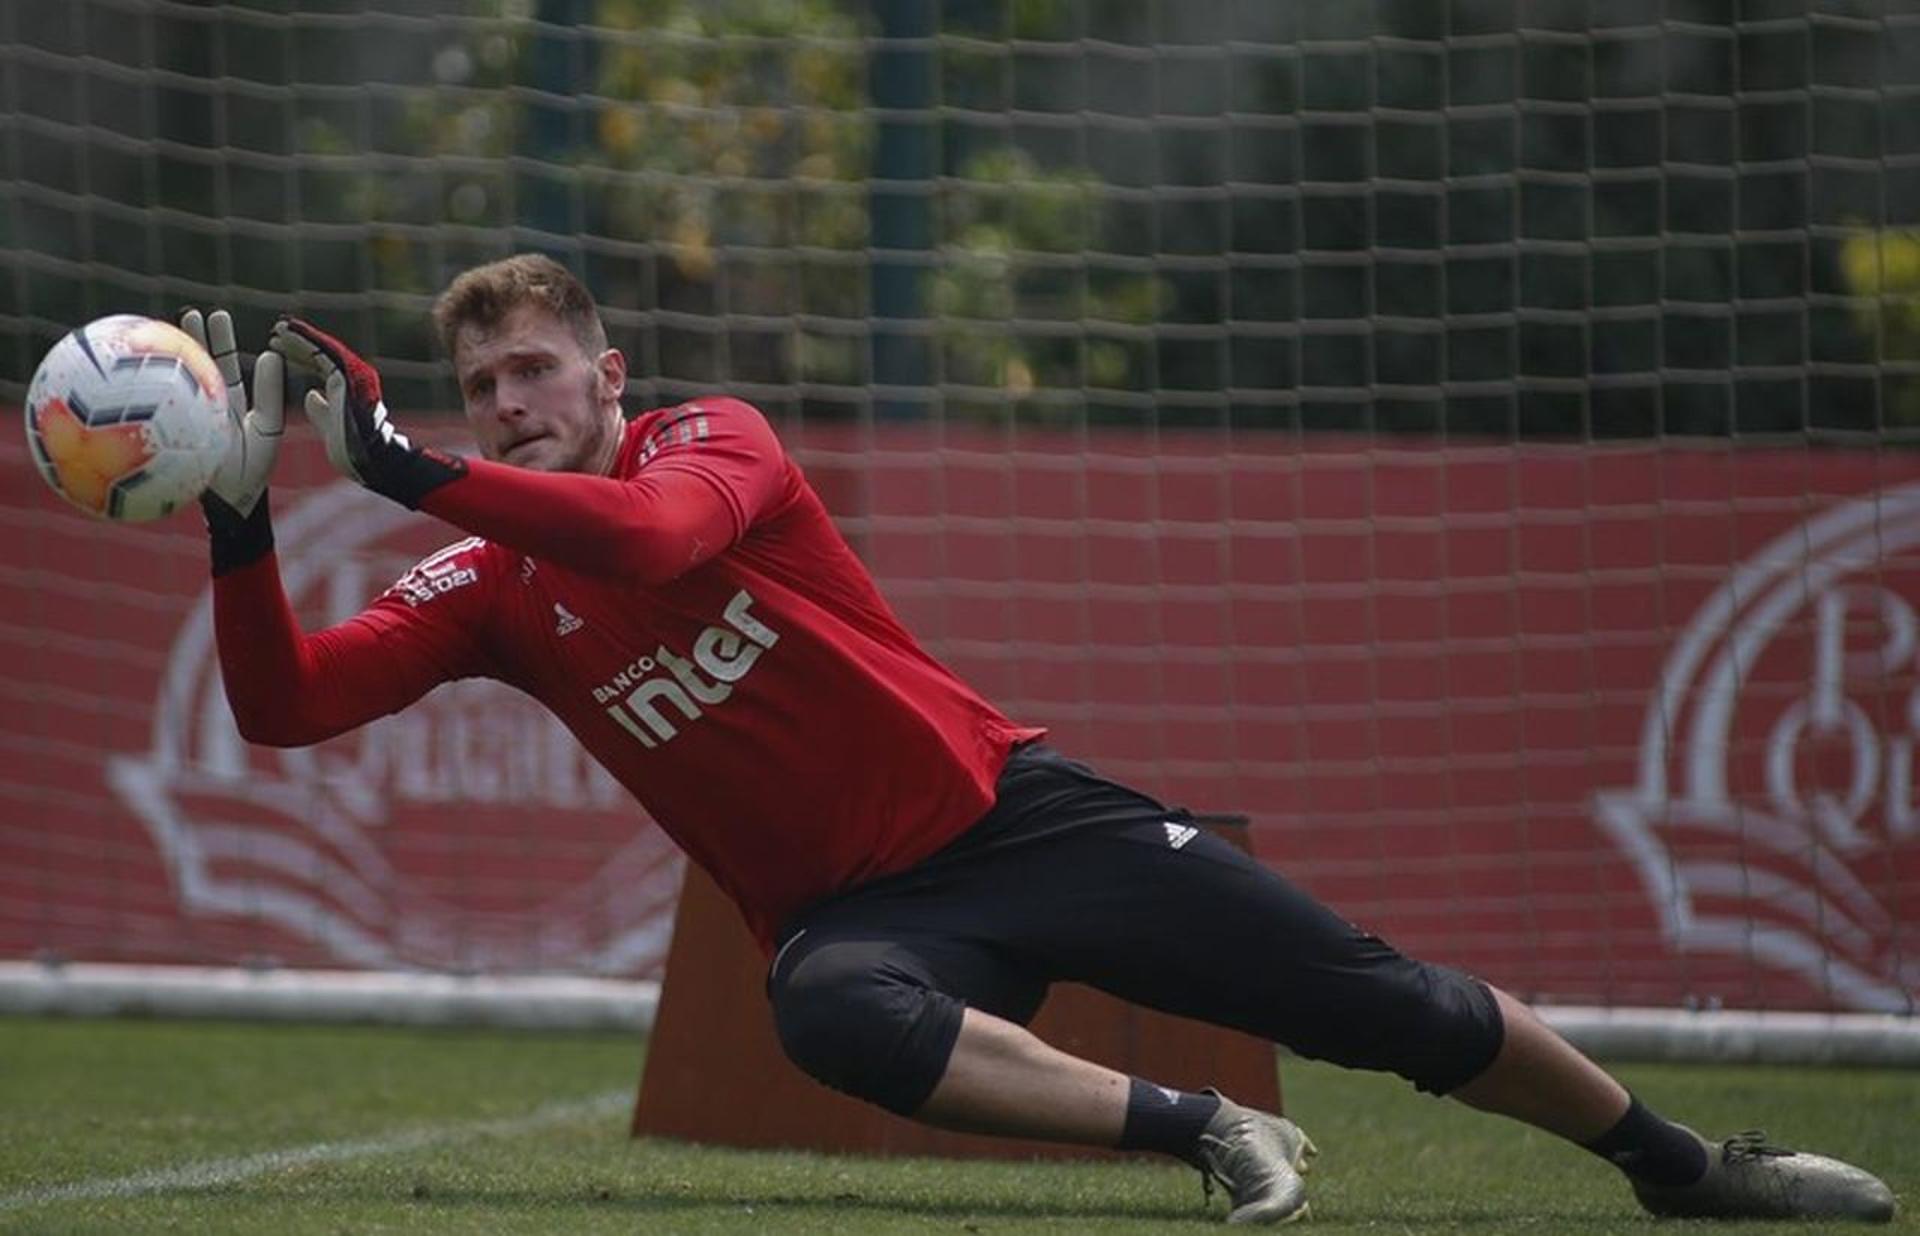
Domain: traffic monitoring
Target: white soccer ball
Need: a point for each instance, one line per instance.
(127, 418)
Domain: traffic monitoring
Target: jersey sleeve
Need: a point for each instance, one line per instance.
(704, 475)
(289, 688)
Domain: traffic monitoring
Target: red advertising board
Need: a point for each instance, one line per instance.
(1632, 725)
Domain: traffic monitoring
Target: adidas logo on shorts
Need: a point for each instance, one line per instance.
(1179, 834)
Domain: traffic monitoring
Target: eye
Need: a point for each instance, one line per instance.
(479, 386)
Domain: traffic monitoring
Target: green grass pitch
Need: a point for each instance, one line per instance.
(208, 1128)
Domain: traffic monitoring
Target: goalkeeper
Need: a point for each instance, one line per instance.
(918, 867)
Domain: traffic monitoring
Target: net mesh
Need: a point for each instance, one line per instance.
(1639, 219)
(1328, 412)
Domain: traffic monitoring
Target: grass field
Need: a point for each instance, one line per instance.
(136, 1127)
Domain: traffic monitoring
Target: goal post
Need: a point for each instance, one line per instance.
(1475, 441)
(574, 1004)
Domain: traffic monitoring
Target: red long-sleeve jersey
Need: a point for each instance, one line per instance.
(697, 622)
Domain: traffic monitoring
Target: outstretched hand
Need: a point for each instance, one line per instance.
(242, 476)
(363, 442)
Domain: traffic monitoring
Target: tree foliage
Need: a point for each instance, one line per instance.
(1477, 217)
(1882, 271)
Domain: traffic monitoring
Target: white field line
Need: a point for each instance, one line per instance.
(216, 1172)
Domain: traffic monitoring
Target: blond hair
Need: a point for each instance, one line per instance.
(486, 295)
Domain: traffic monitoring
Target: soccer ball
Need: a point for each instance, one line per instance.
(127, 418)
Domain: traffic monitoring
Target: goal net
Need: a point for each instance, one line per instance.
(1473, 441)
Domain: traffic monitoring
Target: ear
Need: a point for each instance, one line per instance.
(611, 368)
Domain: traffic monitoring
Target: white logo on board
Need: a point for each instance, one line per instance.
(1775, 792)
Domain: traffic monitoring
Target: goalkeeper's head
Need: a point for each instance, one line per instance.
(540, 386)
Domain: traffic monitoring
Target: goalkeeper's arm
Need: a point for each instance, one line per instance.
(649, 528)
(289, 688)
(286, 688)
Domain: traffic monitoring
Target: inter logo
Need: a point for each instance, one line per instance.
(722, 654)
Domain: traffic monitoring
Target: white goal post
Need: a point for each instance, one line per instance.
(362, 997)
(565, 1003)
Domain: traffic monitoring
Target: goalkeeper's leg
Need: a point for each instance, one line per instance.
(1206, 931)
(904, 1023)
(913, 992)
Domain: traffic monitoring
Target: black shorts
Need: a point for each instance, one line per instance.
(1074, 877)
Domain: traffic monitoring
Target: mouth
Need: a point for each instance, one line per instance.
(518, 445)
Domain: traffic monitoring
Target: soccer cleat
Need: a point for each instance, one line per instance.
(1260, 1158)
(1749, 1179)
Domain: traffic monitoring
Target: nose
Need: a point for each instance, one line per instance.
(509, 399)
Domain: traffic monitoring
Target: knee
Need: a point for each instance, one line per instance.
(1460, 1029)
(855, 1017)
(1432, 1025)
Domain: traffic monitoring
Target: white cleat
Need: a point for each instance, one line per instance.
(1749, 1179)
(1260, 1158)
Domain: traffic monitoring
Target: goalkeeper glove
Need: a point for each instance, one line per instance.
(235, 500)
(362, 440)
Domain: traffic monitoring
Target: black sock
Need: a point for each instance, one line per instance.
(1647, 1147)
(1169, 1121)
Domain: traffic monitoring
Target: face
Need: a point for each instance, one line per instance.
(534, 396)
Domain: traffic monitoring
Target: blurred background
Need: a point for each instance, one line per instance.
(1469, 438)
(1483, 217)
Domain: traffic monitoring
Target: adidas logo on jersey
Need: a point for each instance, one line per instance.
(1179, 834)
(565, 622)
